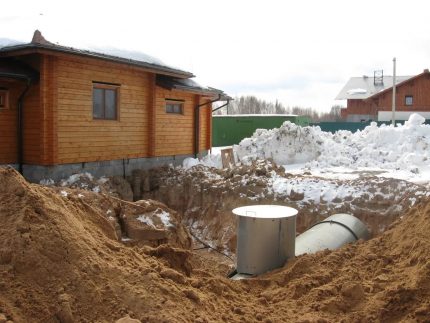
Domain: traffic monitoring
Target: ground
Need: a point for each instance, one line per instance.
(63, 261)
(158, 245)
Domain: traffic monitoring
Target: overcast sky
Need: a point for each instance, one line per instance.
(298, 52)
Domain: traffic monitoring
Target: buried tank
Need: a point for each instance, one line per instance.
(266, 237)
(331, 233)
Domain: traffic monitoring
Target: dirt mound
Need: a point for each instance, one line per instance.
(386, 279)
(60, 261)
(60, 257)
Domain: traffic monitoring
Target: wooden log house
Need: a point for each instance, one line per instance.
(65, 110)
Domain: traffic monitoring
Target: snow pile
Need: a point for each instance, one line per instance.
(289, 144)
(210, 160)
(404, 148)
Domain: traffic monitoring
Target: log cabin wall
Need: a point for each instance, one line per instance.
(174, 132)
(82, 138)
(59, 127)
(205, 125)
(8, 122)
(33, 119)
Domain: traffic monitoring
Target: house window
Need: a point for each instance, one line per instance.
(174, 106)
(4, 99)
(105, 101)
(409, 100)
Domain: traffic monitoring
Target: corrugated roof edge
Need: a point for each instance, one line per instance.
(70, 50)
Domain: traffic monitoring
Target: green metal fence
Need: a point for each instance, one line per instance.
(231, 129)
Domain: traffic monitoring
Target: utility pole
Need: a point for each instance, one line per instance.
(393, 108)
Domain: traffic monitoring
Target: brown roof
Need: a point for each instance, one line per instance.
(39, 43)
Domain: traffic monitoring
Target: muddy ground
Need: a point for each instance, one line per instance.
(62, 259)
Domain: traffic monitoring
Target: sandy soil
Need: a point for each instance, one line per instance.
(61, 261)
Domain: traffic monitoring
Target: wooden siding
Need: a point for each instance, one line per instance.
(8, 123)
(31, 117)
(419, 88)
(205, 126)
(174, 133)
(82, 139)
(59, 125)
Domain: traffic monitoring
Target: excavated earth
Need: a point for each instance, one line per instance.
(62, 259)
(205, 197)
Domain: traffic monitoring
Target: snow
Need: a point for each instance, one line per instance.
(47, 182)
(6, 42)
(64, 193)
(401, 152)
(128, 54)
(146, 219)
(76, 177)
(162, 215)
(356, 91)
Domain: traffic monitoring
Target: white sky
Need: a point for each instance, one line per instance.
(300, 52)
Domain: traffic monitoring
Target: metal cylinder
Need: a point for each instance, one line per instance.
(265, 237)
(332, 233)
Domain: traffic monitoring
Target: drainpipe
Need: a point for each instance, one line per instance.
(220, 107)
(20, 126)
(197, 124)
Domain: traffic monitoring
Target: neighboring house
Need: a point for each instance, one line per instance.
(370, 98)
(65, 110)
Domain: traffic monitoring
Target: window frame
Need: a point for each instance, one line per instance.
(4, 99)
(104, 87)
(411, 97)
(175, 102)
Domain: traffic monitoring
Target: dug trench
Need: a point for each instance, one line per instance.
(205, 197)
(61, 260)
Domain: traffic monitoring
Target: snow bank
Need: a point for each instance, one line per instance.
(401, 148)
(401, 152)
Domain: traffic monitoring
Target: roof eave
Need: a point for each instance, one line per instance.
(40, 48)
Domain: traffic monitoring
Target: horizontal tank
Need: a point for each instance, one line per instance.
(332, 233)
(265, 237)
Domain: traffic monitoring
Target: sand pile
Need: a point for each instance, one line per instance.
(60, 258)
(386, 279)
(60, 261)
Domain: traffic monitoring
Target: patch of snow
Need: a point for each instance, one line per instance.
(6, 42)
(76, 177)
(96, 189)
(164, 217)
(47, 182)
(356, 91)
(146, 219)
(64, 193)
